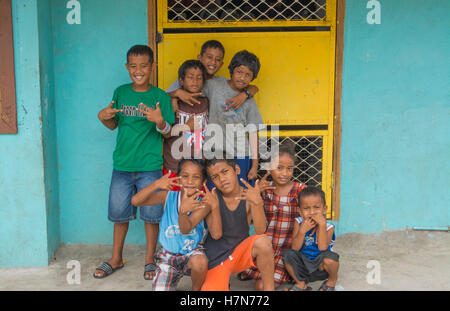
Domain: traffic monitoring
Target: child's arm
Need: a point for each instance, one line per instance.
(198, 211)
(237, 101)
(185, 96)
(213, 220)
(253, 141)
(147, 196)
(323, 236)
(106, 116)
(256, 206)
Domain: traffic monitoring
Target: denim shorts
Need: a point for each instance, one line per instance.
(123, 186)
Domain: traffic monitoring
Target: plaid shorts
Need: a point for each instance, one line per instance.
(172, 267)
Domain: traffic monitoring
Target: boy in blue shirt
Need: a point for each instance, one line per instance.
(142, 113)
(311, 257)
(182, 228)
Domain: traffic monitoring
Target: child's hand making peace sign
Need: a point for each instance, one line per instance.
(251, 194)
(167, 183)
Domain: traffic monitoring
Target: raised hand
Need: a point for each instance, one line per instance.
(189, 203)
(188, 98)
(251, 194)
(264, 184)
(167, 183)
(307, 225)
(210, 197)
(319, 219)
(152, 115)
(236, 101)
(108, 112)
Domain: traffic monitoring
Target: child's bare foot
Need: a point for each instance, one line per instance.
(149, 271)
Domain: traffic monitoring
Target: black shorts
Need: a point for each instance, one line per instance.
(305, 269)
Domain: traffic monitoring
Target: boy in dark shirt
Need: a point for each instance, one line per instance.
(228, 246)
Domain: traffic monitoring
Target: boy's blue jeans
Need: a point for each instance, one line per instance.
(123, 186)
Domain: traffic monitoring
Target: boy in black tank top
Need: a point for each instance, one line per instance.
(228, 246)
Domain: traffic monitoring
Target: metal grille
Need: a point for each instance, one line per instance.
(309, 153)
(245, 10)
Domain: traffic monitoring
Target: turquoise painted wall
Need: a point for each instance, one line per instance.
(89, 64)
(23, 224)
(395, 150)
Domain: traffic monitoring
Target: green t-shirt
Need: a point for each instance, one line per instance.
(139, 144)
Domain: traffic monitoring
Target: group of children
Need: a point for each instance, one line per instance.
(201, 205)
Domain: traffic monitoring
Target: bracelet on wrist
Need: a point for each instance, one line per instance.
(165, 130)
(248, 94)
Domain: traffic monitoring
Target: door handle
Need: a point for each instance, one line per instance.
(159, 37)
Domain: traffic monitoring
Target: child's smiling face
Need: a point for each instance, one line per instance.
(283, 169)
(140, 68)
(212, 59)
(191, 177)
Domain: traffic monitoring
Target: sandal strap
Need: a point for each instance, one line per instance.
(150, 267)
(105, 267)
(326, 288)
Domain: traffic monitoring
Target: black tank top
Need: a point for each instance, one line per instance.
(235, 229)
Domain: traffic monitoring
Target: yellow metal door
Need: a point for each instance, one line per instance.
(295, 42)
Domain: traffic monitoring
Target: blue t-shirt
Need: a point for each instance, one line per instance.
(309, 247)
(170, 236)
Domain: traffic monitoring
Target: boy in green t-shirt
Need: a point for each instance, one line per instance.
(142, 113)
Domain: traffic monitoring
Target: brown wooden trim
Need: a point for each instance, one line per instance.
(152, 33)
(335, 197)
(8, 108)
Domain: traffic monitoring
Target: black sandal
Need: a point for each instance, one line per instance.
(150, 267)
(294, 288)
(325, 288)
(107, 270)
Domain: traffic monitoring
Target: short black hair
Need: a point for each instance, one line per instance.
(245, 58)
(212, 44)
(141, 50)
(310, 190)
(200, 163)
(191, 63)
(222, 158)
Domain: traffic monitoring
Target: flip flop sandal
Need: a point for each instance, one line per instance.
(242, 276)
(150, 267)
(324, 287)
(107, 270)
(294, 288)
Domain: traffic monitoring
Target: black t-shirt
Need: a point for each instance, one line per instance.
(235, 229)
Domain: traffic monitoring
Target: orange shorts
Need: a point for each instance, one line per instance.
(218, 278)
